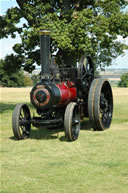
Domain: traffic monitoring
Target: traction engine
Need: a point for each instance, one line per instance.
(64, 96)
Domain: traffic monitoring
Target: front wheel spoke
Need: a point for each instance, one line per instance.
(101, 110)
(22, 122)
(75, 122)
(21, 116)
(22, 128)
(74, 131)
(25, 132)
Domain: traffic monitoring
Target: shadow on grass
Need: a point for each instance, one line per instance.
(13, 138)
(86, 125)
(46, 134)
(42, 133)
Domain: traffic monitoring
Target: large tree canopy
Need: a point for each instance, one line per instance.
(77, 27)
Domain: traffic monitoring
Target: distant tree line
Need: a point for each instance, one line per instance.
(124, 80)
(10, 77)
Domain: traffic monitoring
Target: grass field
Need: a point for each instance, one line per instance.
(96, 163)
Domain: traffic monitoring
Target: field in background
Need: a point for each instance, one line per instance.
(96, 163)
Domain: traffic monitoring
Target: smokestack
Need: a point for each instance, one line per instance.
(45, 53)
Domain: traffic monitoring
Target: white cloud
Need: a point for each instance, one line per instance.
(120, 62)
(123, 40)
(6, 45)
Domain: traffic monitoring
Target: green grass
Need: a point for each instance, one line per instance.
(96, 163)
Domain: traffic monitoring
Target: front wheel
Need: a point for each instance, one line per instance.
(72, 121)
(21, 121)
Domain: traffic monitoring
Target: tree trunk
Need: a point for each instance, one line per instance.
(20, 3)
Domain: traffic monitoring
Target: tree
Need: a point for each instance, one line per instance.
(35, 78)
(124, 80)
(27, 80)
(12, 78)
(77, 27)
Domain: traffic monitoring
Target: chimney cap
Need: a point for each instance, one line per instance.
(45, 32)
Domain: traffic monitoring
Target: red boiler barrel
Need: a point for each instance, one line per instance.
(68, 92)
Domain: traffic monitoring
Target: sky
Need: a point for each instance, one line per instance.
(7, 43)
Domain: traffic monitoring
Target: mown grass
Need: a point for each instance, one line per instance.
(46, 163)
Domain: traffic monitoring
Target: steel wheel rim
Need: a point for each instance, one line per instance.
(24, 129)
(75, 123)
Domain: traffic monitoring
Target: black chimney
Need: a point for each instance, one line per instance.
(45, 53)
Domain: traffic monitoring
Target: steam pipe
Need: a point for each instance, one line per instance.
(45, 53)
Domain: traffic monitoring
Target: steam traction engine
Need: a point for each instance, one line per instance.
(64, 96)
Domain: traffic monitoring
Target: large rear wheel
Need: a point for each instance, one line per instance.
(91, 96)
(100, 104)
(103, 102)
(85, 72)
